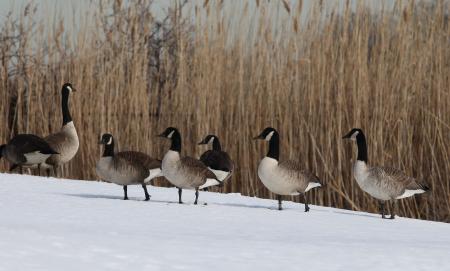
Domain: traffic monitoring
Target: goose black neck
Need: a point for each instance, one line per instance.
(216, 144)
(109, 149)
(65, 108)
(362, 147)
(176, 142)
(274, 147)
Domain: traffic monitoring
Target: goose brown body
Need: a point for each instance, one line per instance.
(286, 177)
(184, 172)
(65, 141)
(128, 168)
(26, 150)
(382, 183)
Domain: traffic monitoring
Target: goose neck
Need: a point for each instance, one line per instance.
(216, 145)
(176, 142)
(65, 108)
(362, 147)
(109, 149)
(274, 147)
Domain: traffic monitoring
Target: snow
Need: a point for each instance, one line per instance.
(50, 224)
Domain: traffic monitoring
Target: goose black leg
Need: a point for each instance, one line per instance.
(382, 204)
(55, 171)
(125, 193)
(180, 191)
(48, 172)
(196, 196)
(306, 202)
(394, 209)
(13, 167)
(21, 169)
(279, 202)
(147, 196)
(39, 169)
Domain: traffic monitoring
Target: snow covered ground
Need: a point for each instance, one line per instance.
(49, 224)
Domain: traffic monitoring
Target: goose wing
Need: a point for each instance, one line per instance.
(217, 160)
(395, 180)
(140, 158)
(27, 143)
(57, 140)
(127, 166)
(293, 170)
(198, 171)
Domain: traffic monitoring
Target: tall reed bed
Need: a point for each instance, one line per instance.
(313, 73)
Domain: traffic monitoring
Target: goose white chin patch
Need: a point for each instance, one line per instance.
(269, 136)
(69, 88)
(171, 134)
(109, 141)
(211, 140)
(354, 135)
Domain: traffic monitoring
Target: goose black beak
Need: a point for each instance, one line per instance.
(100, 142)
(258, 137)
(201, 143)
(160, 135)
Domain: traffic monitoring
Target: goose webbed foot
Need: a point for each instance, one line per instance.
(55, 171)
(147, 196)
(125, 193)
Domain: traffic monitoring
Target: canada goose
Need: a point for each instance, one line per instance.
(26, 150)
(184, 172)
(126, 168)
(65, 142)
(218, 161)
(382, 183)
(287, 177)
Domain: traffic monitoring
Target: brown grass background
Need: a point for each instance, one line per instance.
(313, 74)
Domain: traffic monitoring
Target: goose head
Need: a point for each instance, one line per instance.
(106, 139)
(209, 139)
(67, 88)
(266, 134)
(353, 134)
(174, 136)
(169, 133)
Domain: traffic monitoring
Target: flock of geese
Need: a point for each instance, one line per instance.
(283, 178)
